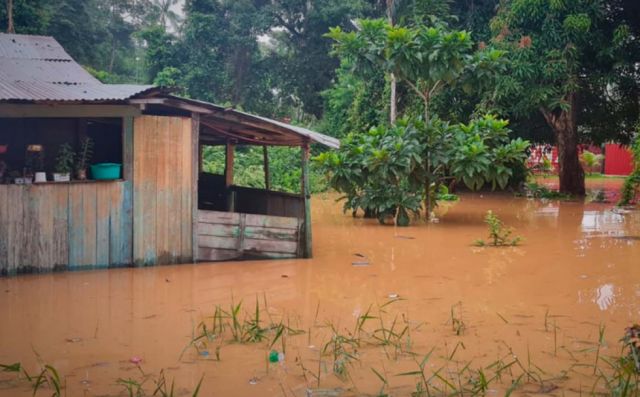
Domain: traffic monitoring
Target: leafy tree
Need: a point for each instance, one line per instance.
(167, 17)
(382, 171)
(561, 52)
(303, 66)
(427, 59)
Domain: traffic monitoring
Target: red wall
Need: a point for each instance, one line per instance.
(618, 160)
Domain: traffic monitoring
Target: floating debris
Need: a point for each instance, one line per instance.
(360, 263)
(325, 392)
(73, 340)
(405, 237)
(394, 296)
(135, 360)
(284, 276)
(253, 381)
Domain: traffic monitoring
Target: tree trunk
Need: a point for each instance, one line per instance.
(393, 108)
(10, 27)
(563, 124)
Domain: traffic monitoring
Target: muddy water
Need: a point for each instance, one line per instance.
(577, 269)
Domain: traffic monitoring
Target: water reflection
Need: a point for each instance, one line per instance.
(605, 296)
(604, 223)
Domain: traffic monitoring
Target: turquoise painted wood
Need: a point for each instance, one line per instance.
(63, 226)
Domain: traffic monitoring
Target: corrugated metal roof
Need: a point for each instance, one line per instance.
(231, 114)
(42, 91)
(37, 68)
(18, 46)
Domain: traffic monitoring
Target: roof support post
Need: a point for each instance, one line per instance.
(228, 175)
(196, 156)
(306, 193)
(267, 172)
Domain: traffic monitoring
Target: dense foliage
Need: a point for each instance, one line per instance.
(382, 171)
(567, 69)
(567, 59)
(632, 183)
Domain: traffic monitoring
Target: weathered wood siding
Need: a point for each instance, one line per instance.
(228, 235)
(162, 190)
(58, 226)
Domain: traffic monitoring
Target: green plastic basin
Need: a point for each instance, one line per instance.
(106, 171)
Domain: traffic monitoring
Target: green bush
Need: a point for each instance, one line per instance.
(632, 183)
(386, 171)
(285, 168)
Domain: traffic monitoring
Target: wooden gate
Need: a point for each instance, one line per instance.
(226, 236)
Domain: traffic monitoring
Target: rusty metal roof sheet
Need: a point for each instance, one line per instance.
(37, 68)
(231, 116)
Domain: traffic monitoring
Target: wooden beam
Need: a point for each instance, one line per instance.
(171, 103)
(123, 254)
(306, 192)
(196, 153)
(267, 176)
(55, 110)
(229, 160)
(240, 137)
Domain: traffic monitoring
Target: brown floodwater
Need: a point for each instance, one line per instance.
(543, 302)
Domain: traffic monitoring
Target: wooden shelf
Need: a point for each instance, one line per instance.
(73, 182)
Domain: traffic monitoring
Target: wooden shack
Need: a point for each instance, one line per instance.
(163, 208)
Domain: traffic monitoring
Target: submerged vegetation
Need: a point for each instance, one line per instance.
(499, 234)
(535, 190)
(383, 171)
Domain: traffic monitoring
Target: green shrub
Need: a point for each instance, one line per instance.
(632, 183)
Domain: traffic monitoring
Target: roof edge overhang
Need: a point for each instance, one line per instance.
(235, 124)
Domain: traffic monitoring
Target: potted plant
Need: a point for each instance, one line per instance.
(83, 157)
(64, 163)
(16, 177)
(35, 162)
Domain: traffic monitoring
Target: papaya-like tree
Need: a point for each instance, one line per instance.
(426, 58)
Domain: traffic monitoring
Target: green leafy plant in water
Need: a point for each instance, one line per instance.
(47, 377)
(621, 374)
(631, 184)
(499, 234)
(383, 171)
(535, 190)
(444, 195)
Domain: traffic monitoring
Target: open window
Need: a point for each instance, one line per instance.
(30, 145)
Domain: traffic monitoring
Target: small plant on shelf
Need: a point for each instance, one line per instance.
(499, 234)
(83, 157)
(64, 163)
(34, 163)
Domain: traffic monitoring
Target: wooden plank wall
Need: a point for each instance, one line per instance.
(162, 190)
(265, 202)
(58, 226)
(227, 236)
